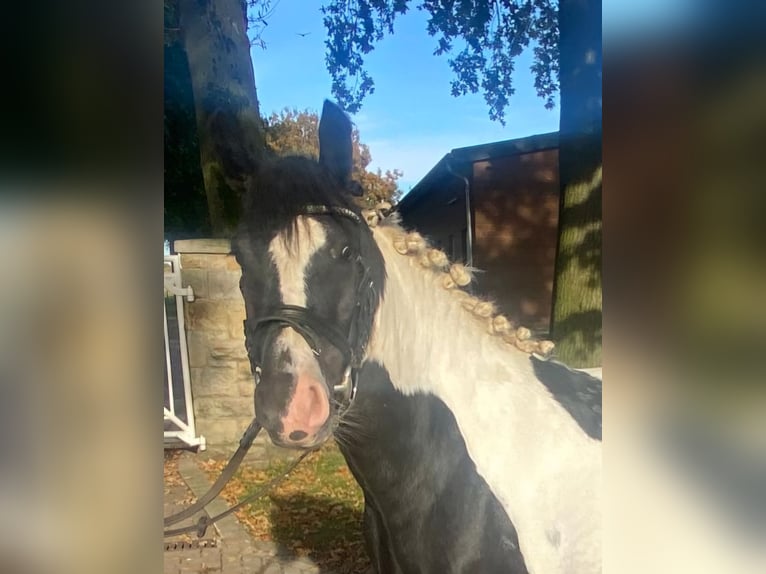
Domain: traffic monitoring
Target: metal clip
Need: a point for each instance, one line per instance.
(344, 387)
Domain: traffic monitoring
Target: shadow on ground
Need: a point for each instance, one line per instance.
(325, 530)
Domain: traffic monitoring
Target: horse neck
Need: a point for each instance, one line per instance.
(425, 338)
(428, 343)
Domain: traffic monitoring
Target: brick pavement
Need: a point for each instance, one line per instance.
(226, 548)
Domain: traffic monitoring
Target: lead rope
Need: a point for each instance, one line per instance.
(231, 467)
(200, 527)
(236, 459)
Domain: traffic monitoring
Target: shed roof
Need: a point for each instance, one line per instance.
(471, 154)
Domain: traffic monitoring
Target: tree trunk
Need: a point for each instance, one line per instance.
(576, 324)
(229, 125)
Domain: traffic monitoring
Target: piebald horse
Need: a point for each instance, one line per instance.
(475, 452)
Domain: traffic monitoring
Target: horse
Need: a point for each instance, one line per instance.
(476, 450)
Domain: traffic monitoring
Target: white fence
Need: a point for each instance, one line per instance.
(178, 409)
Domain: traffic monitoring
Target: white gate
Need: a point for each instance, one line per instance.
(178, 409)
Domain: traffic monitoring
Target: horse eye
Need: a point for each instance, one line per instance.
(346, 252)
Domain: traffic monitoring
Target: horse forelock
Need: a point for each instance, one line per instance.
(282, 190)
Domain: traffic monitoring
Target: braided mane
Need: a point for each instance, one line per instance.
(454, 276)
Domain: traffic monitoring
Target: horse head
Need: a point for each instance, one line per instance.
(312, 277)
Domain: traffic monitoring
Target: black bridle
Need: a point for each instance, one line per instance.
(352, 345)
(311, 327)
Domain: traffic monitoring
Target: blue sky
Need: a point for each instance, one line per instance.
(411, 120)
(637, 19)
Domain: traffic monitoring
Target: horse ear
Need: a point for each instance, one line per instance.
(335, 151)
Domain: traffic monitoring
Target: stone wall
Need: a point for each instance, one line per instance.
(221, 381)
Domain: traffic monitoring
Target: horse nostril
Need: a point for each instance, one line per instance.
(298, 435)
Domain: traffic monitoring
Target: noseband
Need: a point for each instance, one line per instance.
(352, 345)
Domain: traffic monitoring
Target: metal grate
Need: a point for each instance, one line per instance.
(190, 544)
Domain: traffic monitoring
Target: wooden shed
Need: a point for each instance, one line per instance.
(495, 206)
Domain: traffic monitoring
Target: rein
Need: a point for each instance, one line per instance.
(311, 327)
